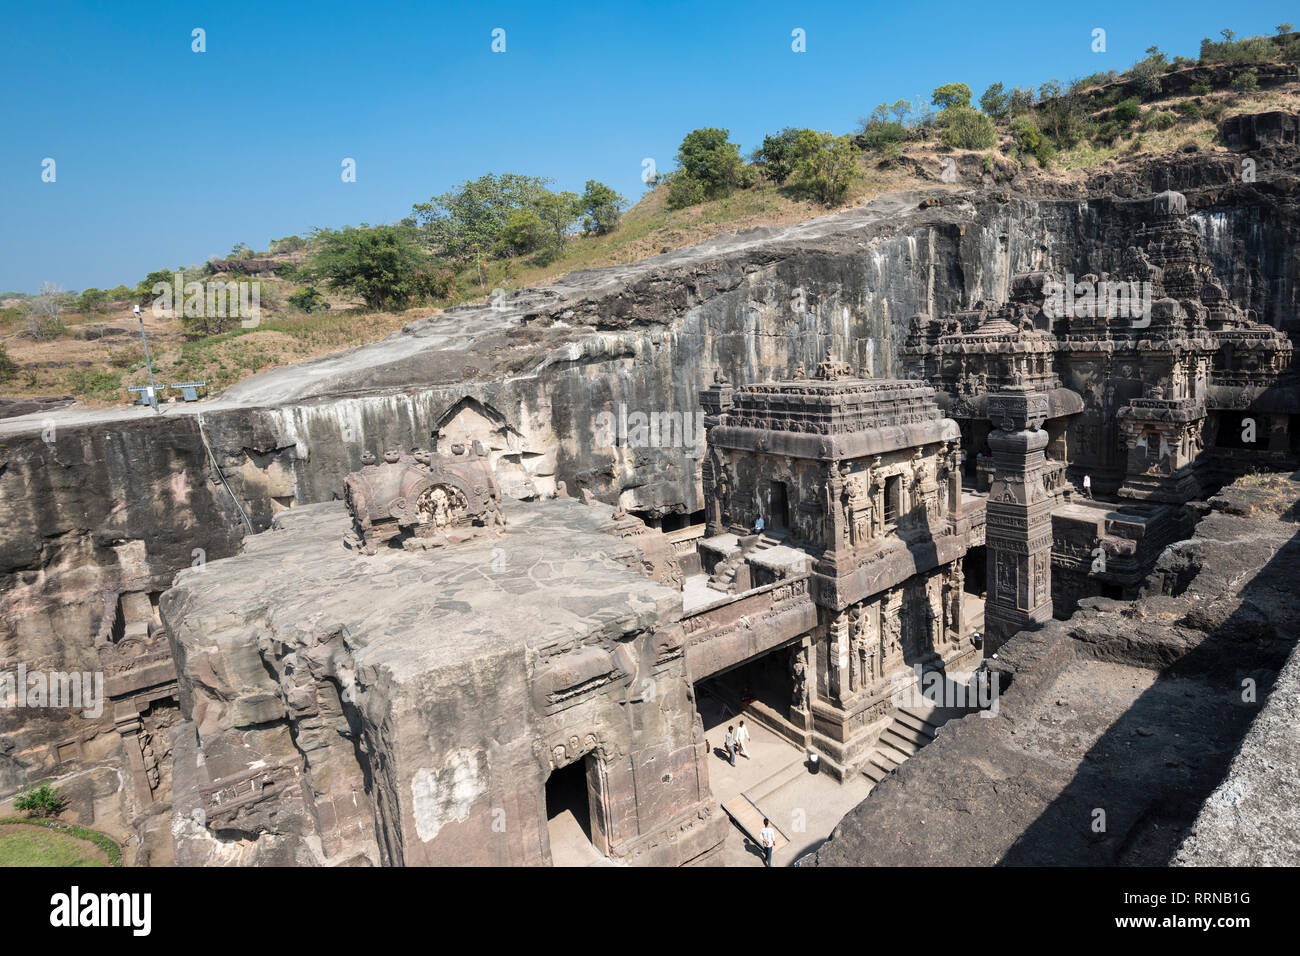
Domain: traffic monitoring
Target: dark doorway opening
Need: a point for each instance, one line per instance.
(975, 571)
(566, 793)
(778, 506)
(893, 498)
(1233, 430)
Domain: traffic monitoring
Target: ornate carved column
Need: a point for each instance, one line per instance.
(715, 400)
(1019, 519)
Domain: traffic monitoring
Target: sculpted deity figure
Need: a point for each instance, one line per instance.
(799, 678)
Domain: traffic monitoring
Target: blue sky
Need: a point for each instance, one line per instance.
(165, 156)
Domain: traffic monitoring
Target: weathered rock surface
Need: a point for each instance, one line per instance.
(408, 708)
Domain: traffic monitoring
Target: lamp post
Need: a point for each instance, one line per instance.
(153, 389)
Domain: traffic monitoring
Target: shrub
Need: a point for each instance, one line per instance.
(1030, 139)
(1126, 111)
(1107, 133)
(42, 801)
(1246, 82)
(309, 300)
(42, 319)
(7, 367)
(97, 384)
(1160, 119)
(882, 136)
(967, 128)
(1146, 77)
(120, 293)
(435, 283)
(287, 244)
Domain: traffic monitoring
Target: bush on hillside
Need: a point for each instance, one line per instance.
(825, 165)
(8, 368)
(378, 265)
(709, 167)
(966, 128)
(1030, 140)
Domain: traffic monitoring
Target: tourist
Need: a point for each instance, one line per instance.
(742, 737)
(767, 839)
(1087, 485)
(730, 744)
(758, 525)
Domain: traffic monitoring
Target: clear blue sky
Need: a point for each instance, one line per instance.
(165, 156)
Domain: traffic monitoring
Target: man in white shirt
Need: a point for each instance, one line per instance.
(767, 840)
(742, 738)
(1087, 485)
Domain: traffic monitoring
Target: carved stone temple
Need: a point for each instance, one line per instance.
(426, 670)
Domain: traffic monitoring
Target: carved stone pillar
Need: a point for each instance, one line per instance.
(715, 400)
(1019, 519)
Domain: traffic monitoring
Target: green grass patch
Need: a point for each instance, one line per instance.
(46, 843)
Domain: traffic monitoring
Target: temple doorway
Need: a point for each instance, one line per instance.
(777, 506)
(568, 815)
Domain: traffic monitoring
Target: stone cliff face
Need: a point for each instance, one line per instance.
(117, 502)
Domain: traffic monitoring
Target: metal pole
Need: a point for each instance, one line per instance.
(153, 389)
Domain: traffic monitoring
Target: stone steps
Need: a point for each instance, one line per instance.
(911, 729)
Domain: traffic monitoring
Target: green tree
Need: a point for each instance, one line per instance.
(144, 291)
(709, 166)
(120, 293)
(523, 233)
(557, 212)
(995, 101)
(601, 208)
(1020, 100)
(92, 300)
(777, 154)
(379, 265)
(825, 165)
(951, 94)
(466, 224)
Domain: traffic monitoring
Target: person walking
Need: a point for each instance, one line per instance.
(742, 738)
(1087, 485)
(730, 744)
(767, 840)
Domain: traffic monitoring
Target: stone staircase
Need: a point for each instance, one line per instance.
(725, 573)
(912, 729)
